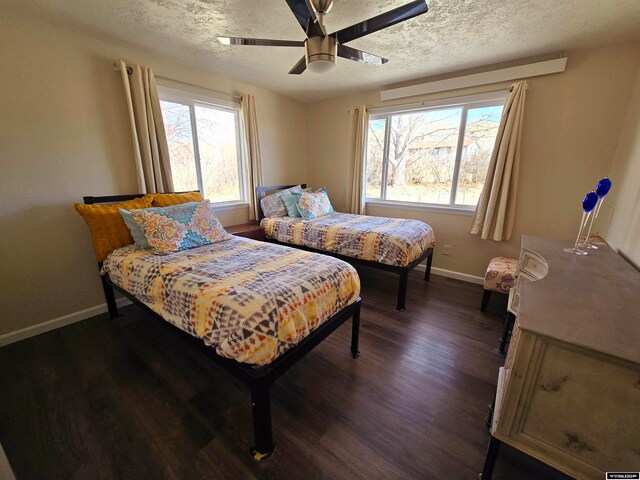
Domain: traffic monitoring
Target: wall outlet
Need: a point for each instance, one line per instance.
(446, 250)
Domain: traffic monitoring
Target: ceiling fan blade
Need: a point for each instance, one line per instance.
(306, 16)
(360, 56)
(300, 67)
(259, 42)
(397, 15)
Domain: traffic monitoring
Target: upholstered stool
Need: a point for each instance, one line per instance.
(500, 277)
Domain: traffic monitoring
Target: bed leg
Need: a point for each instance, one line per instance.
(402, 291)
(427, 271)
(261, 405)
(355, 331)
(110, 298)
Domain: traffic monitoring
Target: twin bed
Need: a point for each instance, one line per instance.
(262, 306)
(393, 244)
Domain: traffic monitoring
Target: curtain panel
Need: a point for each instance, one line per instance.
(150, 149)
(358, 124)
(494, 215)
(252, 151)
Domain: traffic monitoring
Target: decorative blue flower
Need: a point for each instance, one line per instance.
(589, 201)
(603, 187)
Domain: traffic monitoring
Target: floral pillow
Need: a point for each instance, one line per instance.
(313, 205)
(179, 227)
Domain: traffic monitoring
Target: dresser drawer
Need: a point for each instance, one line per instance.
(582, 410)
(533, 265)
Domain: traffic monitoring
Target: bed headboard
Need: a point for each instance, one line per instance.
(262, 192)
(90, 200)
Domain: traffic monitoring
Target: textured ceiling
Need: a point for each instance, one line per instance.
(453, 35)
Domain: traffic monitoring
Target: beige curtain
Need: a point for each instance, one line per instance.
(252, 149)
(495, 212)
(150, 149)
(359, 122)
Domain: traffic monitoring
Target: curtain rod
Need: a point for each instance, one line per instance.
(130, 72)
(527, 86)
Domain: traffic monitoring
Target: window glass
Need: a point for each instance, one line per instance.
(434, 156)
(177, 124)
(204, 145)
(375, 150)
(479, 137)
(422, 154)
(218, 153)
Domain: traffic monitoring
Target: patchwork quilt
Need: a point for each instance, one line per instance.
(392, 241)
(250, 300)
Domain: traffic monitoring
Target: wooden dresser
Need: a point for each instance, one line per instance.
(569, 392)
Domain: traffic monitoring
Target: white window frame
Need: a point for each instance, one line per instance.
(385, 113)
(195, 99)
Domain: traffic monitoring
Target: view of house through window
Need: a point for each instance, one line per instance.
(204, 148)
(434, 156)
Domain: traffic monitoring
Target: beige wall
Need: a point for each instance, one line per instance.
(64, 133)
(624, 232)
(572, 124)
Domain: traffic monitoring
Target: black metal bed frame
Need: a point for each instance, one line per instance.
(258, 379)
(402, 271)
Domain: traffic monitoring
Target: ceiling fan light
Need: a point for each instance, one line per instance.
(321, 53)
(321, 66)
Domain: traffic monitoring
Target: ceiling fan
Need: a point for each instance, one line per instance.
(320, 49)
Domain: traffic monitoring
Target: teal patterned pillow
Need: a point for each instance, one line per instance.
(179, 227)
(290, 202)
(313, 205)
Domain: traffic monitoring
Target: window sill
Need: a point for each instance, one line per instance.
(229, 206)
(424, 207)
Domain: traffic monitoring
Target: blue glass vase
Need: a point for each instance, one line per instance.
(588, 204)
(602, 188)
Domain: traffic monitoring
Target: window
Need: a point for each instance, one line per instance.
(432, 154)
(204, 145)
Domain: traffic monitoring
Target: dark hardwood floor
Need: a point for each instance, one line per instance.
(128, 399)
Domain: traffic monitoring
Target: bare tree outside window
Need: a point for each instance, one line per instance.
(177, 124)
(218, 153)
(419, 161)
(205, 157)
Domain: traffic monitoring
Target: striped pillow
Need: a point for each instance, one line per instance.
(273, 206)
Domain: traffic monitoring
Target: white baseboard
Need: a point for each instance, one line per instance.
(5, 468)
(465, 277)
(39, 328)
